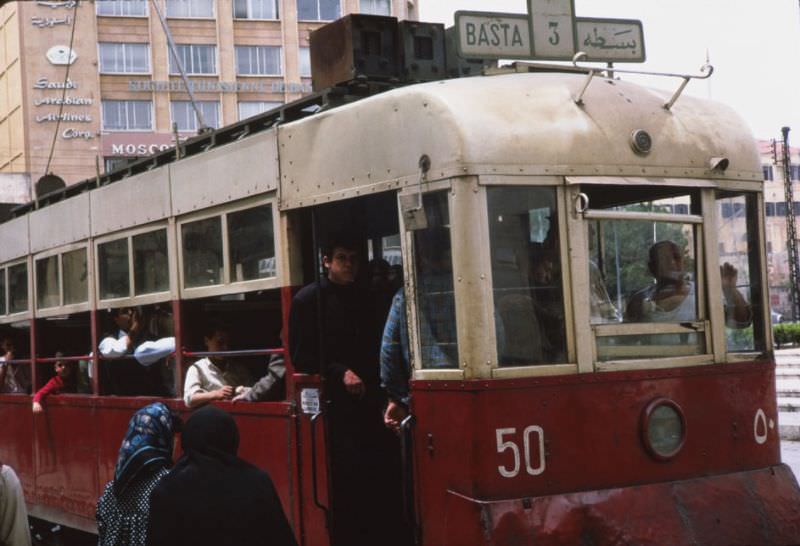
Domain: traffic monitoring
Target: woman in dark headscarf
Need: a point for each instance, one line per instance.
(144, 458)
(213, 497)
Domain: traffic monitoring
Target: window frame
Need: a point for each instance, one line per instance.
(127, 130)
(61, 308)
(192, 17)
(281, 68)
(19, 315)
(277, 17)
(239, 110)
(319, 13)
(194, 130)
(227, 286)
(144, 15)
(192, 45)
(135, 73)
(132, 299)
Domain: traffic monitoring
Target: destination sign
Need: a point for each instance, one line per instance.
(610, 39)
(553, 28)
(489, 35)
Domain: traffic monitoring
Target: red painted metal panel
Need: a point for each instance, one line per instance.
(589, 427)
(744, 508)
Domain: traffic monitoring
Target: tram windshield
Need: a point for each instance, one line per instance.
(526, 275)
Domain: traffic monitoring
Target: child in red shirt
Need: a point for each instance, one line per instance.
(64, 380)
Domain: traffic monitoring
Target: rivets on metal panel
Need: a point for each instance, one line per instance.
(459, 279)
(483, 276)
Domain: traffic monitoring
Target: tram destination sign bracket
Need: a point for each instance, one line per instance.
(490, 35)
(610, 40)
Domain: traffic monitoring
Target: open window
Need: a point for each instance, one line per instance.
(645, 272)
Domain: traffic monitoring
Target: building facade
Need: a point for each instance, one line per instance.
(116, 93)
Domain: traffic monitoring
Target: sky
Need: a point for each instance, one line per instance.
(754, 46)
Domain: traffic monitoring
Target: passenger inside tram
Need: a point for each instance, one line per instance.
(215, 377)
(14, 377)
(64, 380)
(134, 360)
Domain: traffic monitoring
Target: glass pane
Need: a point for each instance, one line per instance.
(18, 288)
(526, 276)
(650, 346)
(202, 252)
(113, 266)
(3, 310)
(304, 55)
(307, 10)
(642, 271)
(737, 227)
(251, 244)
(436, 306)
(328, 10)
(76, 286)
(47, 282)
(150, 266)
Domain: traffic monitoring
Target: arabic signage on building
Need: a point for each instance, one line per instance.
(620, 40)
(135, 144)
(213, 86)
(550, 31)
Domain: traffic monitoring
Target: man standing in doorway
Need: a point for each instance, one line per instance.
(331, 332)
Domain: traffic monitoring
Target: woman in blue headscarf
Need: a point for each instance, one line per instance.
(123, 511)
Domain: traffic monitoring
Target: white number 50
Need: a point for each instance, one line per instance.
(503, 445)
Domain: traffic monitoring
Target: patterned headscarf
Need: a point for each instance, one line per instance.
(148, 442)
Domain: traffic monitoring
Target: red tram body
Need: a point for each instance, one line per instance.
(543, 452)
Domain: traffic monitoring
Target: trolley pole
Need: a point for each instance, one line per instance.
(791, 226)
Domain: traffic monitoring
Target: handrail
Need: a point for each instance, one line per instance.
(51, 359)
(18, 361)
(314, 477)
(706, 71)
(242, 352)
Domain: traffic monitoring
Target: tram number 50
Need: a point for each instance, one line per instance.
(509, 444)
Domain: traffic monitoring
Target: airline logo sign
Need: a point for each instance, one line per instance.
(549, 31)
(493, 35)
(611, 39)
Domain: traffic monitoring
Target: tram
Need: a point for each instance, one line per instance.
(594, 391)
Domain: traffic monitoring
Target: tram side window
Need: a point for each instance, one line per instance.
(202, 252)
(644, 269)
(18, 288)
(150, 266)
(3, 309)
(251, 244)
(47, 282)
(74, 270)
(737, 226)
(526, 276)
(436, 308)
(113, 271)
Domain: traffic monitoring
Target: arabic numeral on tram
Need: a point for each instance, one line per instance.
(555, 37)
(504, 444)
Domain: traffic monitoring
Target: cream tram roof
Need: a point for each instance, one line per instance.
(507, 124)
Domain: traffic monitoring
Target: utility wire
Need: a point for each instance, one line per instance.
(64, 90)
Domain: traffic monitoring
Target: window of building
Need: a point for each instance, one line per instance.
(195, 59)
(127, 115)
(770, 209)
(190, 8)
(768, 173)
(304, 56)
(376, 7)
(258, 60)
(317, 10)
(794, 172)
(122, 8)
(255, 9)
(124, 58)
(249, 109)
(184, 116)
(780, 208)
(113, 163)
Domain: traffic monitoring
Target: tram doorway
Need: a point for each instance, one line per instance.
(364, 460)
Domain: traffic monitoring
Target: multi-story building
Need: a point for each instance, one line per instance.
(117, 91)
(776, 212)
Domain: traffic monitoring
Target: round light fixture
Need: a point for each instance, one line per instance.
(663, 429)
(641, 142)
